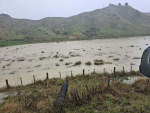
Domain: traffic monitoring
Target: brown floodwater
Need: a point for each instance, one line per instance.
(38, 59)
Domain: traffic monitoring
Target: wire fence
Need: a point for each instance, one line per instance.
(16, 80)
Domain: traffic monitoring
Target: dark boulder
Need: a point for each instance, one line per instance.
(145, 63)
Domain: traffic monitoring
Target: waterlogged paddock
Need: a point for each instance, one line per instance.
(38, 59)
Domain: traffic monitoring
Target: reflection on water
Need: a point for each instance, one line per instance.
(5, 94)
(131, 79)
(38, 59)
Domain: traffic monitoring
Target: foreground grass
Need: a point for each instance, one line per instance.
(90, 94)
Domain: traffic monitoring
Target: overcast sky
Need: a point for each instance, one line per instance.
(38, 9)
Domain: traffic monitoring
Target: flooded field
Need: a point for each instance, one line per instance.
(38, 59)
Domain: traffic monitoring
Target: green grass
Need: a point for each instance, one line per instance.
(89, 93)
(3, 44)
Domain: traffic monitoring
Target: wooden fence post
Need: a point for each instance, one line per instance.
(7, 84)
(131, 69)
(47, 76)
(83, 72)
(104, 71)
(21, 81)
(60, 74)
(114, 71)
(34, 79)
(123, 69)
(108, 82)
(71, 73)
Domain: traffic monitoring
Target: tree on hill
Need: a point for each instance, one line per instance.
(126, 4)
(119, 4)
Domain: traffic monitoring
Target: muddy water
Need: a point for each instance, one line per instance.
(132, 79)
(38, 59)
(6, 94)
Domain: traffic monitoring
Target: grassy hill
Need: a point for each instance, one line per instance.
(112, 21)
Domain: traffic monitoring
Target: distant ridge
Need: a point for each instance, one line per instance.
(148, 14)
(112, 21)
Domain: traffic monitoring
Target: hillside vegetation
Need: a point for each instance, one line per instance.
(112, 21)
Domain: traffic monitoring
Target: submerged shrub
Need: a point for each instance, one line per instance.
(61, 60)
(77, 63)
(57, 64)
(42, 58)
(116, 59)
(21, 59)
(68, 63)
(88, 63)
(98, 62)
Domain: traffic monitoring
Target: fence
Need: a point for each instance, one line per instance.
(32, 79)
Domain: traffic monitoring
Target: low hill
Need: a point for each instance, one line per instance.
(148, 14)
(112, 21)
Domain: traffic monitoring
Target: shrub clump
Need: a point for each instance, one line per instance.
(136, 58)
(57, 64)
(88, 63)
(61, 60)
(116, 59)
(21, 59)
(78, 63)
(98, 62)
(42, 58)
(68, 63)
(56, 56)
